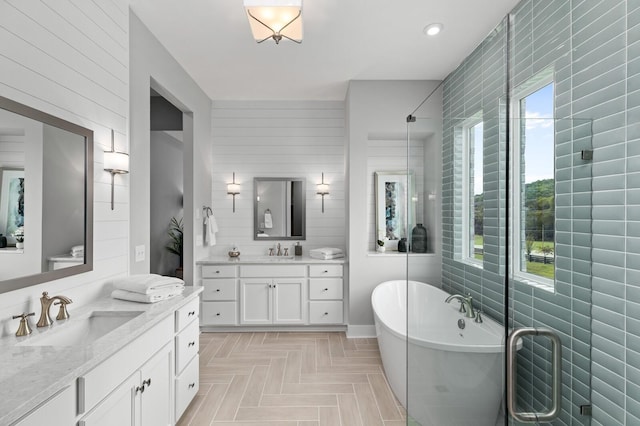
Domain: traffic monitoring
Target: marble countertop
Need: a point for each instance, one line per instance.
(262, 260)
(31, 374)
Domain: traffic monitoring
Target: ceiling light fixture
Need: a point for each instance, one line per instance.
(433, 29)
(275, 19)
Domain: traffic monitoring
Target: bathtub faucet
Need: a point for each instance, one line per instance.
(466, 304)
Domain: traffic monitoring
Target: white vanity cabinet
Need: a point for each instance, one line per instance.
(187, 346)
(280, 292)
(273, 294)
(220, 294)
(59, 410)
(141, 374)
(326, 294)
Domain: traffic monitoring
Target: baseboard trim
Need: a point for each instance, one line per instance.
(361, 331)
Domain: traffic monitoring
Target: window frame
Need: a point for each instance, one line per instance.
(466, 254)
(531, 86)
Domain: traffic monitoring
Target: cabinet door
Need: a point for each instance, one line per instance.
(155, 398)
(59, 410)
(255, 301)
(289, 301)
(119, 408)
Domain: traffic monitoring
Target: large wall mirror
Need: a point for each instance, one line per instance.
(46, 197)
(279, 209)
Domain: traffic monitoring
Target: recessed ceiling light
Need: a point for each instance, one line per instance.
(432, 29)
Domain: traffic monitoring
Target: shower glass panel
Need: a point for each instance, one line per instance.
(468, 210)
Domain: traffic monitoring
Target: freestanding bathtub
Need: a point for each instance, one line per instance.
(454, 375)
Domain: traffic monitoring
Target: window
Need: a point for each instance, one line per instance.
(534, 182)
(473, 190)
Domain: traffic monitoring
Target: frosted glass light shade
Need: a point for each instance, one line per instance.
(116, 162)
(323, 188)
(275, 14)
(233, 188)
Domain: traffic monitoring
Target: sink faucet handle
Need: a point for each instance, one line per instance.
(24, 329)
(286, 251)
(270, 251)
(63, 314)
(478, 317)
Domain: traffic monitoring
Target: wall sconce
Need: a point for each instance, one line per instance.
(116, 163)
(233, 188)
(275, 19)
(323, 189)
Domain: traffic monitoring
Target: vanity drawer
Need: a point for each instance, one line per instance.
(187, 313)
(219, 313)
(325, 312)
(325, 288)
(187, 345)
(223, 289)
(325, 270)
(187, 385)
(218, 271)
(279, 271)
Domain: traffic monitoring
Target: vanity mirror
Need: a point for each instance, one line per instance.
(279, 209)
(46, 197)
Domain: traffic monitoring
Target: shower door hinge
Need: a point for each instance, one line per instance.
(587, 154)
(411, 119)
(585, 410)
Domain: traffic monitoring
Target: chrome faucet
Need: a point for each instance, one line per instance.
(466, 304)
(46, 302)
(279, 253)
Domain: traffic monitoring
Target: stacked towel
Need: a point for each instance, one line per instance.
(268, 220)
(147, 288)
(77, 251)
(326, 253)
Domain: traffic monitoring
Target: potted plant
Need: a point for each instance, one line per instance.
(176, 231)
(18, 234)
(380, 247)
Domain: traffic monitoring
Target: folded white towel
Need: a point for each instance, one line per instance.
(326, 256)
(147, 283)
(156, 296)
(77, 253)
(262, 235)
(268, 220)
(77, 248)
(327, 251)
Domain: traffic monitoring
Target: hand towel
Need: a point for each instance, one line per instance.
(210, 229)
(147, 283)
(268, 220)
(77, 251)
(156, 296)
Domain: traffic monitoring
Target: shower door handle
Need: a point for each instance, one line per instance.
(556, 386)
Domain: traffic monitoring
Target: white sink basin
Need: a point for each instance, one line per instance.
(275, 258)
(81, 331)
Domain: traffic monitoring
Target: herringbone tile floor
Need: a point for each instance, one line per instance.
(291, 379)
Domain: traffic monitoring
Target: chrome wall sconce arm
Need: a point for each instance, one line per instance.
(233, 189)
(116, 163)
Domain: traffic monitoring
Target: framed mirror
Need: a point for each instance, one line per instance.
(279, 208)
(46, 197)
(395, 209)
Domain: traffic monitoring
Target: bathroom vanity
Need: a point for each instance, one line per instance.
(271, 292)
(112, 362)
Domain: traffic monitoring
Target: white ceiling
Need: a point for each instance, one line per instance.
(343, 40)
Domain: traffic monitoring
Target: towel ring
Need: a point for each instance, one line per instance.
(206, 211)
(267, 211)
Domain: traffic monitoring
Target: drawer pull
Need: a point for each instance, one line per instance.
(325, 271)
(146, 383)
(326, 313)
(217, 272)
(140, 389)
(218, 314)
(191, 344)
(192, 385)
(218, 290)
(326, 289)
(191, 313)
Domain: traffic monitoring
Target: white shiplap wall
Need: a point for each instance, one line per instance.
(70, 58)
(278, 139)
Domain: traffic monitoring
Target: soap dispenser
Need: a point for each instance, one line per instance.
(298, 249)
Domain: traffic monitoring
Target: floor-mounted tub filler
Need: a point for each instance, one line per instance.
(455, 363)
